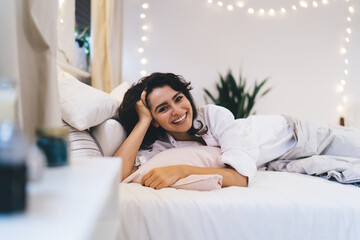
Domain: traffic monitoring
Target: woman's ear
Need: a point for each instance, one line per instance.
(155, 123)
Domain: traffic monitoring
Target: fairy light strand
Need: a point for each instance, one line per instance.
(144, 38)
(242, 5)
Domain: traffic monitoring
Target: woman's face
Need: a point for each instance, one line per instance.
(171, 110)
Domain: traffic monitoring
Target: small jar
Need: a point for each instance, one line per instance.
(54, 143)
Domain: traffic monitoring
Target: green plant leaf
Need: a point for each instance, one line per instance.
(234, 96)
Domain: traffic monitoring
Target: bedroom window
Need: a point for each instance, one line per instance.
(82, 33)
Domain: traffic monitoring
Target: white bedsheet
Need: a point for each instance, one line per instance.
(278, 205)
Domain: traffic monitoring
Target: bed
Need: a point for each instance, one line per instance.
(276, 205)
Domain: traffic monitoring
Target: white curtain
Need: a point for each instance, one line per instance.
(28, 46)
(106, 30)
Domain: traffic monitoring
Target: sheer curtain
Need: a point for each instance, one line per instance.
(28, 47)
(106, 30)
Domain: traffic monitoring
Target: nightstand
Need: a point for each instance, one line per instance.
(78, 201)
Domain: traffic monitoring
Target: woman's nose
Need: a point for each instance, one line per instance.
(176, 110)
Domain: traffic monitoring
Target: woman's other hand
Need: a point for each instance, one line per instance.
(141, 108)
(163, 177)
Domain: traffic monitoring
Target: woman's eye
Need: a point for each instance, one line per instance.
(162, 109)
(178, 99)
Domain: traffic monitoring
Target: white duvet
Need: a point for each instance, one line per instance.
(277, 205)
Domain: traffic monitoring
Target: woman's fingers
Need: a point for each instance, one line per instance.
(143, 98)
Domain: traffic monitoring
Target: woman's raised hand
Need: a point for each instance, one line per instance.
(141, 108)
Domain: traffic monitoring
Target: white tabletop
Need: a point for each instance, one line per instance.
(68, 202)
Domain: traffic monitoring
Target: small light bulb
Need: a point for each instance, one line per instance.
(143, 73)
(251, 11)
(142, 16)
(325, 1)
(140, 50)
(347, 39)
(210, 1)
(144, 38)
(346, 61)
(343, 82)
(220, 4)
(145, 5)
(271, 12)
(283, 10)
(340, 108)
(340, 88)
(346, 72)
(351, 9)
(261, 11)
(345, 99)
(61, 20)
(144, 27)
(294, 7)
(348, 30)
(240, 4)
(230, 7)
(303, 4)
(348, 19)
(315, 4)
(143, 61)
(343, 50)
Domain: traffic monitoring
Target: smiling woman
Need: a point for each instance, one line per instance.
(163, 116)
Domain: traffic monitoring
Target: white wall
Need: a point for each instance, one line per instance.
(65, 30)
(299, 51)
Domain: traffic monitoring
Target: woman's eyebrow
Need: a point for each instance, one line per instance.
(164, 103)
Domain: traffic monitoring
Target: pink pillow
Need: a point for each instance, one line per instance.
(199, 156)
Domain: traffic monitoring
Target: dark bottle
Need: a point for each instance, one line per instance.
(12, 169)
(13, 153)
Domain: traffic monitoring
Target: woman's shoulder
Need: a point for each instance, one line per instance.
(211, 111)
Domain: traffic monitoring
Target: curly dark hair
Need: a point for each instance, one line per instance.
(128, 117)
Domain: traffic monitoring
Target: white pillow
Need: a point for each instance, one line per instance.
(109, 135)
(81, 144)
(83, 106)
(199, 156)
(119, 92)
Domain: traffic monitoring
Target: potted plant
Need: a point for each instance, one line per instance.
(235, 97)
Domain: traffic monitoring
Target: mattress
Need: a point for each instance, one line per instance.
(277, 205)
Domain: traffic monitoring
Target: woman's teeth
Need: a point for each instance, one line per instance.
(180, 119)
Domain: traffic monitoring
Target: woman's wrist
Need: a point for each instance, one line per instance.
(145, 121)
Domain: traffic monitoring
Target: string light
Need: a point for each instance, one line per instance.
(240, 4)
(303, 4)
(271, 12)
(145, 6)
(143, 73)
(230, 7)
(251, 11)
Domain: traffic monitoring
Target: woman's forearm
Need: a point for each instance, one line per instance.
(130, 147)
(230, 176)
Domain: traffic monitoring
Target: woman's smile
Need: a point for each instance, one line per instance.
(180, 120)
